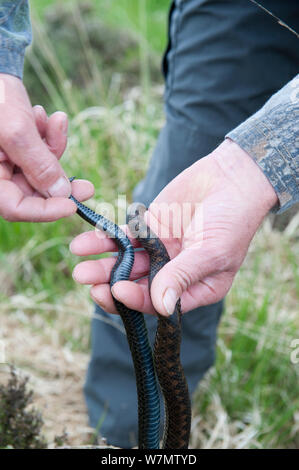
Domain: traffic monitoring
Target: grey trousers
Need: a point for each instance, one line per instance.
(223, 61)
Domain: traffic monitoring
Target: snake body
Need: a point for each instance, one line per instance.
(167, 345)
(165, 361)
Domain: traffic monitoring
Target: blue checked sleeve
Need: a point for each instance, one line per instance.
(271, 137)
(15, 35)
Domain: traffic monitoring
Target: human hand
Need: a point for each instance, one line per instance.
(227, 196)
(31, 145)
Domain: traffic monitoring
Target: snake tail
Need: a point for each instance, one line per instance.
(167, 346)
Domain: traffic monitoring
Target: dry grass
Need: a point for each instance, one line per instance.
(56, 372)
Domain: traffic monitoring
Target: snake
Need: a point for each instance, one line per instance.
(162, 364)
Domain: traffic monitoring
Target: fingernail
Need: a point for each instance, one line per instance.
(170, 299)
(38, 109)
(64, 125)
(61, 188)
(114, 294)
(3, 156)
(99, 302)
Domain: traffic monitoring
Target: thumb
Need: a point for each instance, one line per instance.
(21, 142)
(174, 278)
(24, 146)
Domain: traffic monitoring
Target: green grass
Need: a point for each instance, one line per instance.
(146, 18)
(250, 398)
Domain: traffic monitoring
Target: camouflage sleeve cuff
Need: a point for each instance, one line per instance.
(15, 35)
(271, 137)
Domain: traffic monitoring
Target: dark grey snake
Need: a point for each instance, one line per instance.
(164, 362)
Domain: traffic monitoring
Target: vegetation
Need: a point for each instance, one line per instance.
(20, 423)
(19, 427)
(111, 89)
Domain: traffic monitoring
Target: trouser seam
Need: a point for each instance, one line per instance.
(175, 27)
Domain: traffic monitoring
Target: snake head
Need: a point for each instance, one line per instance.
(136, 222)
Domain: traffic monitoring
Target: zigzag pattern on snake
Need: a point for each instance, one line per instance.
(165, 361)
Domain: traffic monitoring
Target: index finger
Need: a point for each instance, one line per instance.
(15, 206)
(95, 242)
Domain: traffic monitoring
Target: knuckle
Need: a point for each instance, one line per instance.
(223, 262)
(44, 170)
(183, 277)
(220, 262)
(222, 255)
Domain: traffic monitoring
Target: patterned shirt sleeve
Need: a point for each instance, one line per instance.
(15, 35)
(271, 137)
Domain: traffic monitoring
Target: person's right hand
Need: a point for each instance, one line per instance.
(33, 185)
(206, 217)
